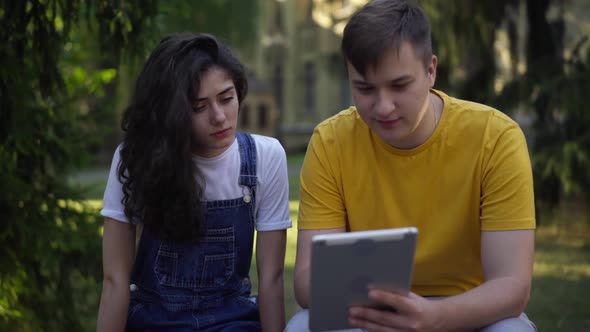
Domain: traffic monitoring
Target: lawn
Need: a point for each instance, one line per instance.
(560, 297)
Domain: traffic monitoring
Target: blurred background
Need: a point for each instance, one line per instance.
(68, 70)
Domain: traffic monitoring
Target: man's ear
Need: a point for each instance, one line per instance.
(432, 70)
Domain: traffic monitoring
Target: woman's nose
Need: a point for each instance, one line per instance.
(217, 114)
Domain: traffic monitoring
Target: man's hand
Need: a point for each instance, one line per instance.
(408, 313)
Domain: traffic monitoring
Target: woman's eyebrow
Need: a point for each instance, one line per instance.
(229, 88)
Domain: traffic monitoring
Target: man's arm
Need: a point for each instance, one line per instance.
(118, 252)
(322, 208)
(303, 262)
(270, 260)
(507, 258)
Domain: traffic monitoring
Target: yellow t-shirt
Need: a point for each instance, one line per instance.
(473, 174)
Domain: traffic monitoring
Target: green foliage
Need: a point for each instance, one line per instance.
(556, 93)
(232, 21)
(464, 33)
(50, 255)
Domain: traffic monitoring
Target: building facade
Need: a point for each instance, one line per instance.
(298, 59)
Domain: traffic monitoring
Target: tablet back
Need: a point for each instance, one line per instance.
(343, 265)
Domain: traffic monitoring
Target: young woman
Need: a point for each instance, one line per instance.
(195, 190)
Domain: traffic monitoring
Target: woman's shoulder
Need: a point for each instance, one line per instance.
(270, 155)
(116, 156)
(267, 145)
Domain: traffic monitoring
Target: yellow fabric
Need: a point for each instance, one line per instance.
(473, 174)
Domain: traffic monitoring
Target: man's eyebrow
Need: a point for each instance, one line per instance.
(401, 79)
(397, 80)
(229, 88)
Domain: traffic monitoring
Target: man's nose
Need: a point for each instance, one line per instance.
(384, 105)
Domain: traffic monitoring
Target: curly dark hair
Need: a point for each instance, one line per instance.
(162, 186)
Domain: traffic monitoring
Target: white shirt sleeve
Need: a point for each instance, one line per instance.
(112, 206)
(272, 192)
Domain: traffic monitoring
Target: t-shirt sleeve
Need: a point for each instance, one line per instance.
(507, 198)
(321, 203)
(113, 195)
(273, 186)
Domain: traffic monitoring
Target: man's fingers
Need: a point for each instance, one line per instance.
(375, 316)
(368, 326)
(394, 301)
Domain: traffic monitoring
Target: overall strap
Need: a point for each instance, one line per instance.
(248, 160)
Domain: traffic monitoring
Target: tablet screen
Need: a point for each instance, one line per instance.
(344, 265)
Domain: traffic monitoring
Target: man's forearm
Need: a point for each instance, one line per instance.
(492, 301)
(114, 302)
(272, 305)
(301, 287)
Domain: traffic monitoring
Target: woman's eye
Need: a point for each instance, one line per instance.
(227, 99)
(198, 108)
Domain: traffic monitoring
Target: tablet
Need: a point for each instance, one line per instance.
(343, 265)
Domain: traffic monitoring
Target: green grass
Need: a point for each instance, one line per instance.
(294, 162)
(560, 296)
(295, 159)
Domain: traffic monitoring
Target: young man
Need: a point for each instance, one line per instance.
(408, 155)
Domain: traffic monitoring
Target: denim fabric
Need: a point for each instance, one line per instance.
(202, 287)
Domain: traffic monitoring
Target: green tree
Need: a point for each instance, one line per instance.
(555, 90)
(232, 21)
(464, 33)
(50, 255)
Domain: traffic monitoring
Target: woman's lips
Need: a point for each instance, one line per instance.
(222, 133)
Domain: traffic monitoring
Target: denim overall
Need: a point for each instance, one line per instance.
(203, 287)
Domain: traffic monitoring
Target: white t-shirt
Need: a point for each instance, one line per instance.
(221, 174)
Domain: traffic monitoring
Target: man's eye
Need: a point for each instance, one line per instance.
(364, 89)
(400, 86)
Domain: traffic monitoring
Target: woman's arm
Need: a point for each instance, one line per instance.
(118, 252)
(270, 260)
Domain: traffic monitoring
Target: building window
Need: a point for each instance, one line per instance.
(309, 16)
(278, 86)
(244, 116)
(310, 87)
(278, 19)
(262, 116)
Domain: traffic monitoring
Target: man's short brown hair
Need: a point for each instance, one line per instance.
(382, 25)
